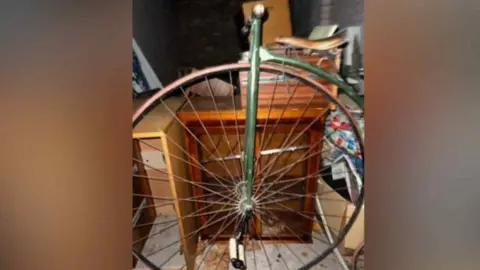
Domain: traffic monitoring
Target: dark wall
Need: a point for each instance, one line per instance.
(153, 21)
(208, 32)
(177, 34)
(347, 12)
(306, 14)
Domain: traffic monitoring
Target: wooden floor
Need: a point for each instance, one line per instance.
(280, 256)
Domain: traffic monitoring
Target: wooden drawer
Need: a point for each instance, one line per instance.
(154, 164)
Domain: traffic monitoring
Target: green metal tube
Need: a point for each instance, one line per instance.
(252, 103)
(332, 78)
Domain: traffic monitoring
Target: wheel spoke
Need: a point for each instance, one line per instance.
(287, 169)
(224, 165)
(197, 165)
(238, 217)
(195, 136)
(262, 138)
(178, 178)
(221, 121)
(294, 140)
(188, 236)
(263, 248)
(297, 212)
(286, 141)
(296, 235)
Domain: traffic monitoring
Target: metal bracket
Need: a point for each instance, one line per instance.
(262, 153)
(265, 55)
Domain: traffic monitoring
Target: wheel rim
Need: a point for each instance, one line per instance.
(265, 68)
(358, 258)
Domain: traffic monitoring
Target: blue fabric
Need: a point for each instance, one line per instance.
(138, 77)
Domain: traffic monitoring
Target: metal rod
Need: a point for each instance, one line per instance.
(136, 217)
(263, 153)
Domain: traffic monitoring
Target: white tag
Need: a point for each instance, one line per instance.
(134, 168)
(338, 170)
(349, 184)
(153, 160)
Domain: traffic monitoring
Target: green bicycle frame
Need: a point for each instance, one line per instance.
(333, 78)
(260, 55)
(252, 102)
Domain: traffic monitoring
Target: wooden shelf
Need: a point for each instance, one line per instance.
(159, 118)
(156, 143)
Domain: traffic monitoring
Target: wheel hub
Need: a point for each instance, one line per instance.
(244, 205)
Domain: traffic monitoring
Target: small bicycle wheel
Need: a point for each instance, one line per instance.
(189, 196)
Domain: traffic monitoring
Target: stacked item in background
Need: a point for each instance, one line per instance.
(139, 81)
(278, 89)
(281, 90)
(341, 178)
(340, 140)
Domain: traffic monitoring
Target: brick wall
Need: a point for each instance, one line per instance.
(208, 32)
(152, 24)
(187, 33)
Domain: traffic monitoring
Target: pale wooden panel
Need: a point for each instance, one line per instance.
(177, 169)
(338, 211)
(157, 119)
(141, 186)
(149, 131)
(154, 164)
(151, 144)
(356, 234)
(334, 206)
(161, 189)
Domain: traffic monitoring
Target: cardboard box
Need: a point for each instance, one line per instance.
(337, 211)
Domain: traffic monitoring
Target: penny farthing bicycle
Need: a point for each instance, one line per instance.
(244, 184)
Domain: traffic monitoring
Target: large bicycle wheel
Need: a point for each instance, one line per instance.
(189, 188)
(359, 258)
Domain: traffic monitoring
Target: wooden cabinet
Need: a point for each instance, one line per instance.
(159, 160)
(219, 139)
